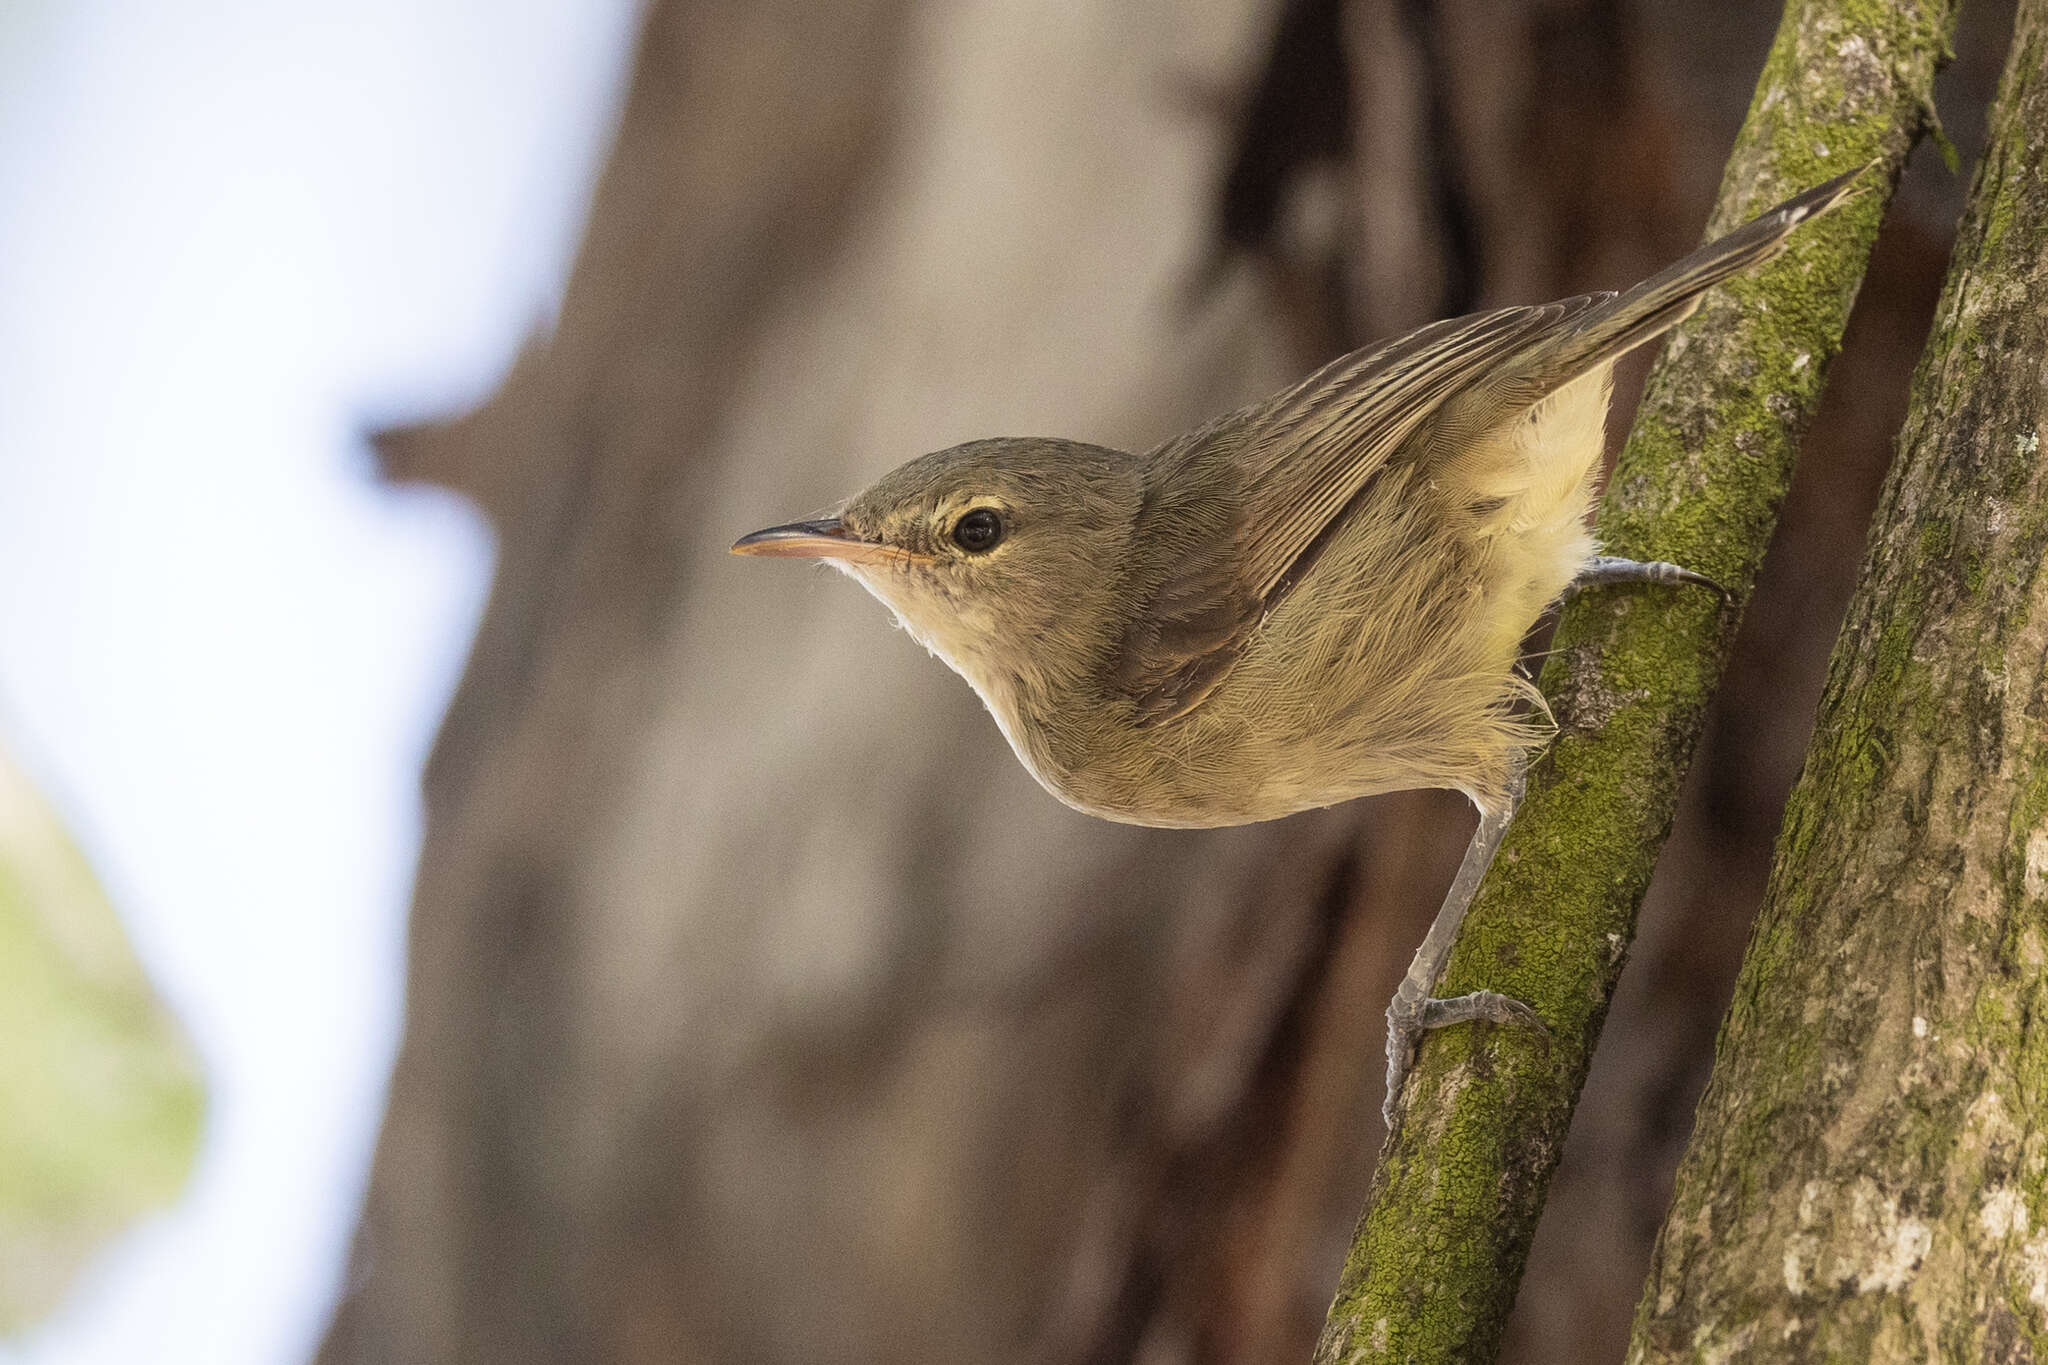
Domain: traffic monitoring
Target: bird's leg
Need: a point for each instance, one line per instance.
(1413, 1012)
(1612, 569)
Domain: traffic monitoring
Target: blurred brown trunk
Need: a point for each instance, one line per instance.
(760, 1007)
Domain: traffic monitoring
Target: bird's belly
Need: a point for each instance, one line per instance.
(1214, 774)
(1185, 805)
(1381, 674)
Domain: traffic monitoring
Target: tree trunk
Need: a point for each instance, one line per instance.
(1868, 1180)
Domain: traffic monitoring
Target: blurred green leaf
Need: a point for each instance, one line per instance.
(100, 1096)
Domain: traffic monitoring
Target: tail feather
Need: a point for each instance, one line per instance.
(1661, 302)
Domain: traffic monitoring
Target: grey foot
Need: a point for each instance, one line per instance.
(1409, 1018)
(1612, 569)
(1481, 1006)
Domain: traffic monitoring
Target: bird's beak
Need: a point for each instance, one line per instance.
(827, 539)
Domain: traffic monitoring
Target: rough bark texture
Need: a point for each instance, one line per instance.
(760, 1007)
(1869, 1178)
(1433, 1267)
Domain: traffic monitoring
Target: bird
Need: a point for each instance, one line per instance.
(1317, 597)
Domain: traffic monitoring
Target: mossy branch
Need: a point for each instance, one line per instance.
(1433, 1267)
(1869, 1179)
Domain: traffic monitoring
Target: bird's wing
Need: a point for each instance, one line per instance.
(1234, 511)
(1237, 508)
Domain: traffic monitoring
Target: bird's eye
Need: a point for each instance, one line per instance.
(978, 531)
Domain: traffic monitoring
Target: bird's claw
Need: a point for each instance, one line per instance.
(1489, 1006)
(1602, 569)
(1411, 1016)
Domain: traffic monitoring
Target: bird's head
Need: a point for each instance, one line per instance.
(1003, 557)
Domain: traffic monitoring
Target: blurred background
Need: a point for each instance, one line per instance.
(449, 910)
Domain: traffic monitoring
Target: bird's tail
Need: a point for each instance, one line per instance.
(1628, 319)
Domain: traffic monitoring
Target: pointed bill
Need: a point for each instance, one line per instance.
(825, 539)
